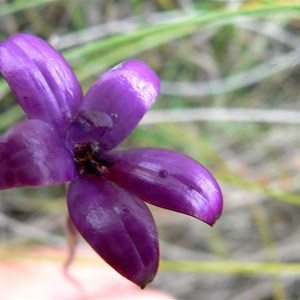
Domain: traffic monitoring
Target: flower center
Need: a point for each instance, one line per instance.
(89, 160)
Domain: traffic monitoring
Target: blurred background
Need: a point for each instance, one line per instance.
(230, 98)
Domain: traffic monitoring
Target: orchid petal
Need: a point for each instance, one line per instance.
(41, 79)
(117, 225)
(33, 154)
(168, 179)
(125, 92)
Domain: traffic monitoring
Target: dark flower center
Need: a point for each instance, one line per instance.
(89, 159)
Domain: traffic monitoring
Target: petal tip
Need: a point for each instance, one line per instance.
(144, 283)
(142, 68)
(141, 80)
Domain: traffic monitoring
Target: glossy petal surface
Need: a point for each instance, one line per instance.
(89, 125)
(125, 92)
(41, 79)
(117, 225)
(32, 154)
(168, 179)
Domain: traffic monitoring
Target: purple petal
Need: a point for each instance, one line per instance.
(117, 225)
(41, 79)
(32, 154)
(170, 180)
(125, 92)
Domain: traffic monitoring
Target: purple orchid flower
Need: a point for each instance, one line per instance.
(69, 137)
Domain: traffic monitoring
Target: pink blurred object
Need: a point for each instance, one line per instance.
(38, 274)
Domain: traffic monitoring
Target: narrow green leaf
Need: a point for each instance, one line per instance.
(232, 267)
(14, 7)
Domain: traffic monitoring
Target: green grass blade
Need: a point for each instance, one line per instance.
(231, 267)
(113, 49)
(14, 7)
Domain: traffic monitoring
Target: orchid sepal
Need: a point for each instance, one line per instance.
(169, 180)
(117, 225)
